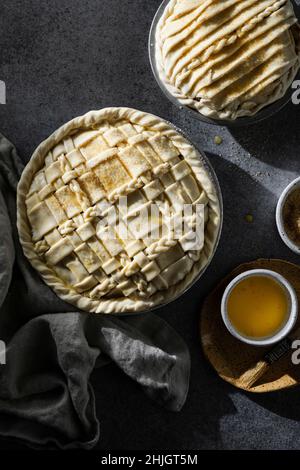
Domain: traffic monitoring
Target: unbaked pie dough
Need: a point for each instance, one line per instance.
(227, 58)
(74, 180)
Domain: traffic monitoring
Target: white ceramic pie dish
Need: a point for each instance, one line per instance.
(261, 115)
(293, 307)
(279, 216)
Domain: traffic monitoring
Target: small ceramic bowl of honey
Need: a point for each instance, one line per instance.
(259, 307)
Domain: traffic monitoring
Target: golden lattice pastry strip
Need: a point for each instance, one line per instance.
(228, 58)
(78, 228)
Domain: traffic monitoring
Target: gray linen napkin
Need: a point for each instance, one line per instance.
(45, 393)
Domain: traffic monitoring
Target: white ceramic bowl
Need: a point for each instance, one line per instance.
(279, 215)
(293, 308)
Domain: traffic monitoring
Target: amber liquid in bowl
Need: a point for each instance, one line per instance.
(258, 307)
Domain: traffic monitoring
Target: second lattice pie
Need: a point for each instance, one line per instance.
(95, 252)
(229, 58)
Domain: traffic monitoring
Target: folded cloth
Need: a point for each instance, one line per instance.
(45, 394)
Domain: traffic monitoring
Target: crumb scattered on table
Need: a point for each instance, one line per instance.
(249, 218)
(218, 140)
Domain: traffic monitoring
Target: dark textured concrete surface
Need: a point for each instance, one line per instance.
(62, 58)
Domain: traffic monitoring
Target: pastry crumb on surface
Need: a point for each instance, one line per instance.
(249, 218)
(218, 140)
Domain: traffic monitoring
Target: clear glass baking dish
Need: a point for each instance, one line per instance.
(264, 113)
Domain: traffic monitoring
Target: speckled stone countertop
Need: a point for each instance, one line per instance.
(62, 58)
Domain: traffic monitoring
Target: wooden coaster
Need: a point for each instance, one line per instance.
(229, 356)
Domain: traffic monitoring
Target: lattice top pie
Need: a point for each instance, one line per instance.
(228, 58)
(93, 250)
